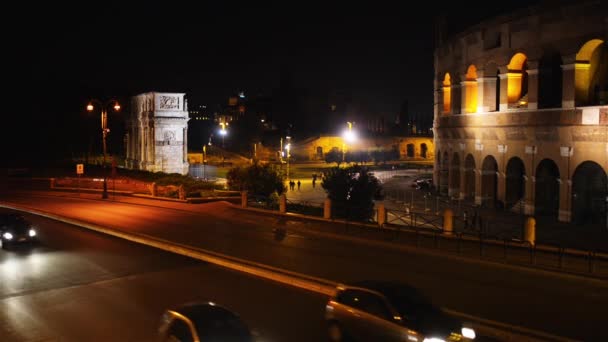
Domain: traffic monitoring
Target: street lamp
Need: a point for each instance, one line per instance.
(349, 136)
(104, 132)
(288, 148)
(223, 131)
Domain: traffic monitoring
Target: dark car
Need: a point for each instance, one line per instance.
(386, 311)
(203, 322)
(14, 228)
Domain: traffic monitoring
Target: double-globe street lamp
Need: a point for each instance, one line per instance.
(349, 136)
(103, 106)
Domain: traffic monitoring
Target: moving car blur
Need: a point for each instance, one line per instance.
(385, 311)
(203, 322)
(14, 229)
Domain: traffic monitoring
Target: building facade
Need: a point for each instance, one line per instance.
(157, 133)
(521, 112)
(409, 148)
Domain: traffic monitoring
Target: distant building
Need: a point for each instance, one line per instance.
(157, 131)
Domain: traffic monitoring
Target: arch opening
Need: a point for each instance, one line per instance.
(589, 194)
(591, 74)
(455, 174)
(546, 189)
(489, 181)
(470, 101)
(515, 182)
(469, 177)
(517, 81)
(550, 81)
(447, 93)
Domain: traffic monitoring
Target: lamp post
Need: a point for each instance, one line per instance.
(288, 148)
(348, 136)
(223, 132)
(104, 133)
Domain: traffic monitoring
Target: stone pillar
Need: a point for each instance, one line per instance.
(182, 192)
(381, 211)
(283, 204)
(504, 95)
(568, 90)
(327, 209)
(532, 87)
(153, 189)
(244, 199)
(565, 203)
(448, 221)
(501, 178)
(530, 231)
(486, 94)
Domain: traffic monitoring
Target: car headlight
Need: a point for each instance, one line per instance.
(433, 339)
(32, 232)
(468, 333)
(8, 235)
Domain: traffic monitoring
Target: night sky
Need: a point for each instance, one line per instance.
(380, 54)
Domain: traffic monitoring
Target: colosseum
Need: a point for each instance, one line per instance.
(521, 112)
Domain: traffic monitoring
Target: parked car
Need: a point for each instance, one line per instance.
(203, 322)
(423, 183)
(14, 229)
(386, 311)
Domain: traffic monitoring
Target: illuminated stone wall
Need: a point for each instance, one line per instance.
(537, 141)
(157, 131)
(315, 148)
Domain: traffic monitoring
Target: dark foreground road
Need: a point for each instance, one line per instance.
(80, 286)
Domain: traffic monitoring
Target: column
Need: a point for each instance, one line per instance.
(456, 99)
(530, 180)
(501, 179)
(504, 95)
(486, 94)
(568, 90)
(565, 204)
(463, 179)
(532, 88)
(478, 180)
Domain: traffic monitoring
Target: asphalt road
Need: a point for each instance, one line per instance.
(561, 305)
(77, 285)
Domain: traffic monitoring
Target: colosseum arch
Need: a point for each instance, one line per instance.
(447, 93)
(591, 74)
(589, 193)
(470, 90)
(517, 80)
(546, 189)
(550, 80)
(423, 150)
(489, 181)
(469, 177)
(515, 184)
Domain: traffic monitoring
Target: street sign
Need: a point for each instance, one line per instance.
(79, 169)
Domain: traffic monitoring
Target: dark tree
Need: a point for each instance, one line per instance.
(334, 156)
(352, 191)
(257, 180)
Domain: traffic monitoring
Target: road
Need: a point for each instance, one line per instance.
(562, 305)
(81, 286)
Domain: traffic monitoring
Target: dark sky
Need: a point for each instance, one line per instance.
(379, 53)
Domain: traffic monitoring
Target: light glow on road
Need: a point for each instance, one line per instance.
(8, 236)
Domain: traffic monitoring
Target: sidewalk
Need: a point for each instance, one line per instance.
(497, 224)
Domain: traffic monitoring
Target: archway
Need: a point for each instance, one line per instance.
(591, 74)
(517, 80)
(447, 93)
(550, 81)
(546, 189)
(410, 150)
(489, 181)
(469, 177)
(319, 152)
(423, 150)
(455, 173)
(444, 174)
(470, 91)
(515, 184)
(589, 194)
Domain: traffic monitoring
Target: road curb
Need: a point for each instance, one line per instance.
(314, 284)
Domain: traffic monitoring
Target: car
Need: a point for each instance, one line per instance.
(15, 228)
(389, 311)
(423, 183)
(203, 322)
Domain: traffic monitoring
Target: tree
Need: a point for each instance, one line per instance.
(258, 180)
(334, 156)
(352, 191)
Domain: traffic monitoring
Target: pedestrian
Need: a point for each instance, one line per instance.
(314, 182)
(299, 185)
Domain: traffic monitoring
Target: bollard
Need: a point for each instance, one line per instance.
(381, 214)
(244, 199)
(52, 183)
(153, 189)
(181, 192)
(283, 204)
(327, 209)
(448, 221)
(530, 231)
